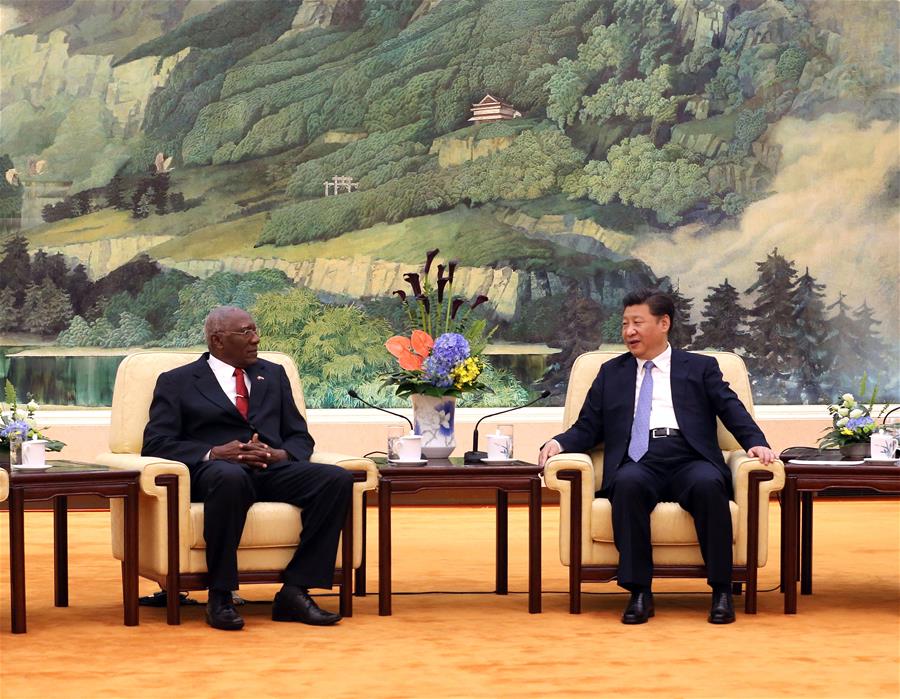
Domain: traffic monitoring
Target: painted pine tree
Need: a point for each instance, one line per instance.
(771, 324)
(811, 357)
(724, 320)
(682, 332)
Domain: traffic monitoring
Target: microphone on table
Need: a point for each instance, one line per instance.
(475, 456)
(353, 394)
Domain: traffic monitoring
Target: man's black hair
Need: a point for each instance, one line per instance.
(659, 302)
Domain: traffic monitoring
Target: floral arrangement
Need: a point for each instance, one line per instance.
(851, 420)
(16, 420)
(442, 354)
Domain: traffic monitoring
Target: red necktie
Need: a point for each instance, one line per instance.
(241, 401)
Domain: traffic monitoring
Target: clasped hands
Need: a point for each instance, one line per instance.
(254, 453)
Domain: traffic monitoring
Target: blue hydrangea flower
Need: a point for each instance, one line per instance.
(857, 422)
(449, 350)
(16, 426)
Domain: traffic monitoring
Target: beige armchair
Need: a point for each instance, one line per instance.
(4, 484)
(585, 533)
(171, 545)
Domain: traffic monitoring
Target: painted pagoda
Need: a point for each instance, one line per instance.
(492, 109)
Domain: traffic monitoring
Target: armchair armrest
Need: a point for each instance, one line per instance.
(351, 463)
(150, 467)
(741, 465)
(569, 462)
(4, 484)
(575, 515)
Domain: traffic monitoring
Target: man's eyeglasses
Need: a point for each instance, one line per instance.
(246, 332)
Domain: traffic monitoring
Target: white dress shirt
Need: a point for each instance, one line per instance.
(662, 411)
(224, 374)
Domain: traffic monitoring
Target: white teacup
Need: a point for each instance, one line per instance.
(409, 448)
(499, 447)
(34, 452)
(883, 446)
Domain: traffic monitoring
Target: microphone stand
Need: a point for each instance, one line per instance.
(353, 394)
(475, 456)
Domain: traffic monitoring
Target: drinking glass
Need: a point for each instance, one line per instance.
(394, 433)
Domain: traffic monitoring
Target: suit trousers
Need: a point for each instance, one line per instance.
(670, 471)
(227, 490)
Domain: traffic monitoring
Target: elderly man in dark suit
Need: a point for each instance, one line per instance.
(232, 419)
(654, 408)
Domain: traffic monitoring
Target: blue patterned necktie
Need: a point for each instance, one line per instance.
(640, 428)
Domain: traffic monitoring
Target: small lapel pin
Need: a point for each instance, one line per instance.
(260, 378)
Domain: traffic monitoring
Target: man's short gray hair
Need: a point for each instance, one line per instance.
(216, 321)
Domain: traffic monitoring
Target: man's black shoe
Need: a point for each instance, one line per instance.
(722, 609)
(295, 604)
(221, 614)
(639, 609)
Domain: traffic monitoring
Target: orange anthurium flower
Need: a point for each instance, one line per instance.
(398, 345)
(410, 362)
(401, 348)
(422, 343)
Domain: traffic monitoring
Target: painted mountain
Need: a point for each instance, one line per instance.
(297, 158)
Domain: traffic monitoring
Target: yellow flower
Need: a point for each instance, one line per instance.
(847, 432)
(465, 373)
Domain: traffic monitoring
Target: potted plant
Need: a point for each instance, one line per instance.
(440, 359)
(17, 423)
(852, 424)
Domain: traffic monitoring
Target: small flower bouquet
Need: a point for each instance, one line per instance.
(442, 355)
(19, 421)
(852, 422)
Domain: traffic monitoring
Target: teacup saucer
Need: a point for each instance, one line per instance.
(416, 462)
(882, 462)
(30, 467)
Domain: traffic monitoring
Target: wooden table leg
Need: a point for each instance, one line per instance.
(756, 477)
(782, 583)
(359, 586)
(791, 500)
(502, 557)
(534, 547)
(130, 564)
(17, 559)
(806, 542)
(346, 599)
(384, 548)
(61, 551)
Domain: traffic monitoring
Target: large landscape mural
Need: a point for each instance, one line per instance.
(297, 157)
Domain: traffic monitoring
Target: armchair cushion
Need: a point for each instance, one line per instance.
(670, 525)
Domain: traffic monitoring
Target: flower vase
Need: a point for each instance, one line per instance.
(433, 417)
(856, 451)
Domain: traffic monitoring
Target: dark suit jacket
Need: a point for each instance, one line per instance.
(190, 414)
(699, 395)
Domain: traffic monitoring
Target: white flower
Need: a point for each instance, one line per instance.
(843, 412)
(32, 406)
(856, 412)
(833, 408)
(843, 421)
(848, 398)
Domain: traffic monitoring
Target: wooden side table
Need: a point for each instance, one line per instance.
(517, 477)
(63, 479)
(801, 482)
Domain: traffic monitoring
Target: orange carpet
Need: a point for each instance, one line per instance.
(844, 642)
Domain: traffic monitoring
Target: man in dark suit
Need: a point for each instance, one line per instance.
(654, 409)
(232, 419)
